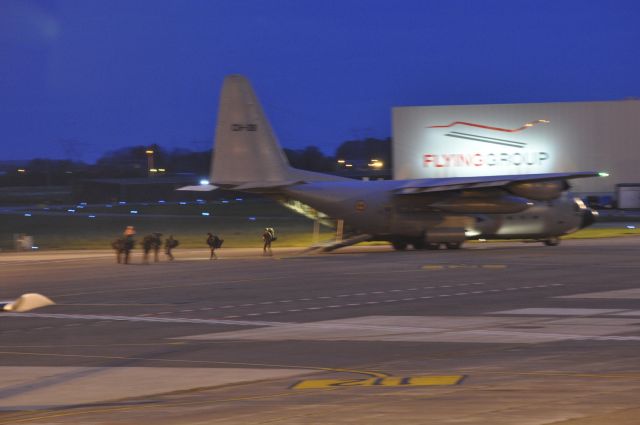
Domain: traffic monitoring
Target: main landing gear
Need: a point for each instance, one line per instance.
(401, 245)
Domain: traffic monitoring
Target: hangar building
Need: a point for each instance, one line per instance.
(475, 140)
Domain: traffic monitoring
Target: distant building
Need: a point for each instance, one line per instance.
(473, 140)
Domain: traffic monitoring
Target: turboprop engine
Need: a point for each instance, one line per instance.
(539, 191)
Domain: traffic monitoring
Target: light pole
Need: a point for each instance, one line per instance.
(150, 165)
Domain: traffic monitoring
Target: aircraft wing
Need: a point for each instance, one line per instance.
(412, 187)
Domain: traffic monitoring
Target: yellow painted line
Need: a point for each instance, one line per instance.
(494, 266)
(392, 381)
(432, 267)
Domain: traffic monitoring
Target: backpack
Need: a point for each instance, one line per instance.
(217, 242)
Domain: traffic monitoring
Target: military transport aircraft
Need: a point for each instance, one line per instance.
(423, 213)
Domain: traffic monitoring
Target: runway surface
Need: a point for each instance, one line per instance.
(496, 333)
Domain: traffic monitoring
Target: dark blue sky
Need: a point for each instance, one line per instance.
(109, 74)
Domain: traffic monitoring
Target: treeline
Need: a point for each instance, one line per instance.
(136, 161)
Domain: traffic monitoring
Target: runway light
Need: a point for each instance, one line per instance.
(482, 240)
(603, 174)
(109, 206)
(27, 214)
(224, 201)
(35, 248)
(631, 226)
(122, 203)
(204, 182)
(161, 201)
(71, 210)
(239, 199)
(252, 219)
(92, 216)
(134, 211)
(182, 203)
(206, 214)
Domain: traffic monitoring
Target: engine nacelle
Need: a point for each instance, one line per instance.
(539, 191)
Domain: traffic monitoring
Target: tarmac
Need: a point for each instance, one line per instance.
(494, 333)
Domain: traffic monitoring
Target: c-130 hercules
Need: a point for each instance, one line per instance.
(423, 213)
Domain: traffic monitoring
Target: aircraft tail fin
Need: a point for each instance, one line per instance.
(246, 151)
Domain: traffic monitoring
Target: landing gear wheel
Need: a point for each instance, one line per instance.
(419, 244)
(453, 245)
(399, 245)
(555, 241)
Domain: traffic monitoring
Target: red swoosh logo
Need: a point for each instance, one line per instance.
(487, 127)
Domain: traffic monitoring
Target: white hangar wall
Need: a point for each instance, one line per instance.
(476, 140)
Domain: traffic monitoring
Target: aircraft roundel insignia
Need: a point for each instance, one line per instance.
(361, 206)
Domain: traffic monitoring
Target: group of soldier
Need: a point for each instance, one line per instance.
(153, 242)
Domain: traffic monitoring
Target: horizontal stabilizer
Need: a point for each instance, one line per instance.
(198, 188)
(25, 303)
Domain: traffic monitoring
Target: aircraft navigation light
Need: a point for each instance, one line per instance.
(205, 214)
(603, 174)
(204, 182)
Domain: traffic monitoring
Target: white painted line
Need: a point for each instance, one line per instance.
(324, 298)
(272, 312)
(245, 305)
(334, 306)
(559, 311)
(228, 306)
(286, 301)
(425, 298)
(354, 304)
(313, 308)
(408, 299)
(378, 292)
(267, 302)
(372, 302)
(390, 301)
(294, 310)
(461, 293)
